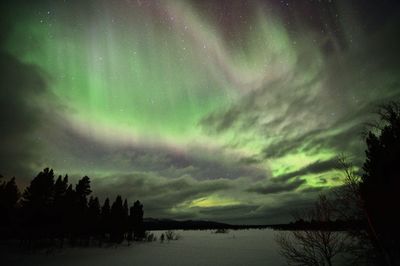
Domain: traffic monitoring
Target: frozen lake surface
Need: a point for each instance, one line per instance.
(242, 247)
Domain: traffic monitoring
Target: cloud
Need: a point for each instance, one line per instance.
(93, 156)
(25, 104)
(279, 210)
(314, 168)
(173, 197)
(21, 85)
(160, 194)
(274, 188)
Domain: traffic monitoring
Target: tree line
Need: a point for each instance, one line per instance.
(53, 211)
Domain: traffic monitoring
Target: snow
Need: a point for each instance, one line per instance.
(241, 247)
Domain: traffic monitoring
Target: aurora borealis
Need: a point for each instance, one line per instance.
(224, 110)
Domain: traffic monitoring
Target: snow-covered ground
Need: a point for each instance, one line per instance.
(242, 247)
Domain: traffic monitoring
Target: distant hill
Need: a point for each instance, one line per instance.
(169, 224)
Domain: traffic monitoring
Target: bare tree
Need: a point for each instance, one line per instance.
(348, 201)
(313, 247)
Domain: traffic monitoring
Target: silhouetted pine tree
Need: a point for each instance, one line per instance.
(117, 220)
(60, 205)
(94, 217)
(381, 181)
(106, 219)
(69, 212)
(125, 217)
(138, 227)
(9, 196)
(60, 188)
(82, 225)
(37, 203)
(129, 236)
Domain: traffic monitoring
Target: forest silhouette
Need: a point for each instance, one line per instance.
(50, 212)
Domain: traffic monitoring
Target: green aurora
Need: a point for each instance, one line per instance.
(148, 95)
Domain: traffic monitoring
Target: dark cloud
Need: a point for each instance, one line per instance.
(280, 211)
(235, 214)
(160, 194)
(314, 168)
(251, 160)
(25, 102)
(283, 211)
(20, 114)
(274, 188)
(222, 121)
(318, 190)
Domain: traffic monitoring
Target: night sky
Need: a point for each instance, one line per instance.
(233, 111)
